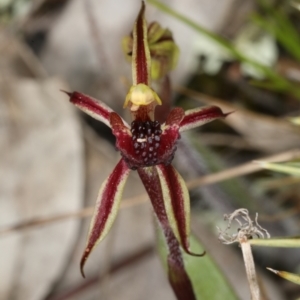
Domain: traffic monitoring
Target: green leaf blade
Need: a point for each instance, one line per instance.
(289, 242)
(207, 279)
(295, 278)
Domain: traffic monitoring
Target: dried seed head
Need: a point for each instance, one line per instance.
(247, 227)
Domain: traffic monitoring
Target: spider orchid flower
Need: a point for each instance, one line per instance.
(148, 147)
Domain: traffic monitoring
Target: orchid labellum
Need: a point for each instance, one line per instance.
(148, 147)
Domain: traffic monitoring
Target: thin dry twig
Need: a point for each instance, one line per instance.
(82, 213)
(243, 169)
(30, 59)
(279, 183)
(250, 269)
(280, 216)
(228, 140)
(127, 261)
(13, 45)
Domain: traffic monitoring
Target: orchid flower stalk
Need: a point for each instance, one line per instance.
(148, 146)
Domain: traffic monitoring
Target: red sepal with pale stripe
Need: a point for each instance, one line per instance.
(178, 277)
(200, 116)
(93, 107)
(141, 60)
(177, 203)
(106, 209)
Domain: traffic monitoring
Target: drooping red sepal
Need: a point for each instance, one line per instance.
(178, 276)
(106, 208)
(141, 60)
(200, 116)
(93, 107)
(177, 202)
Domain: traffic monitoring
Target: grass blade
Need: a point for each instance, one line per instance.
(286, 275)
(288, 242)
(207, 279)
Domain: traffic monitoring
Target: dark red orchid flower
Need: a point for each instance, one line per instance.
(148, 147)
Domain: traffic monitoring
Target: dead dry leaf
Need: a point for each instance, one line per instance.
(41, 175)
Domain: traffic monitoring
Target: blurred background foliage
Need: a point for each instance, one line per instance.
(240, 55)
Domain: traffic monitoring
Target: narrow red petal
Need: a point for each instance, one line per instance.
(178, 277)
(200, 116)
(176, 196)
(141, 60)
(118, 124)
(124, 140)
(170, 135)
(93, 107)
(106, 208)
